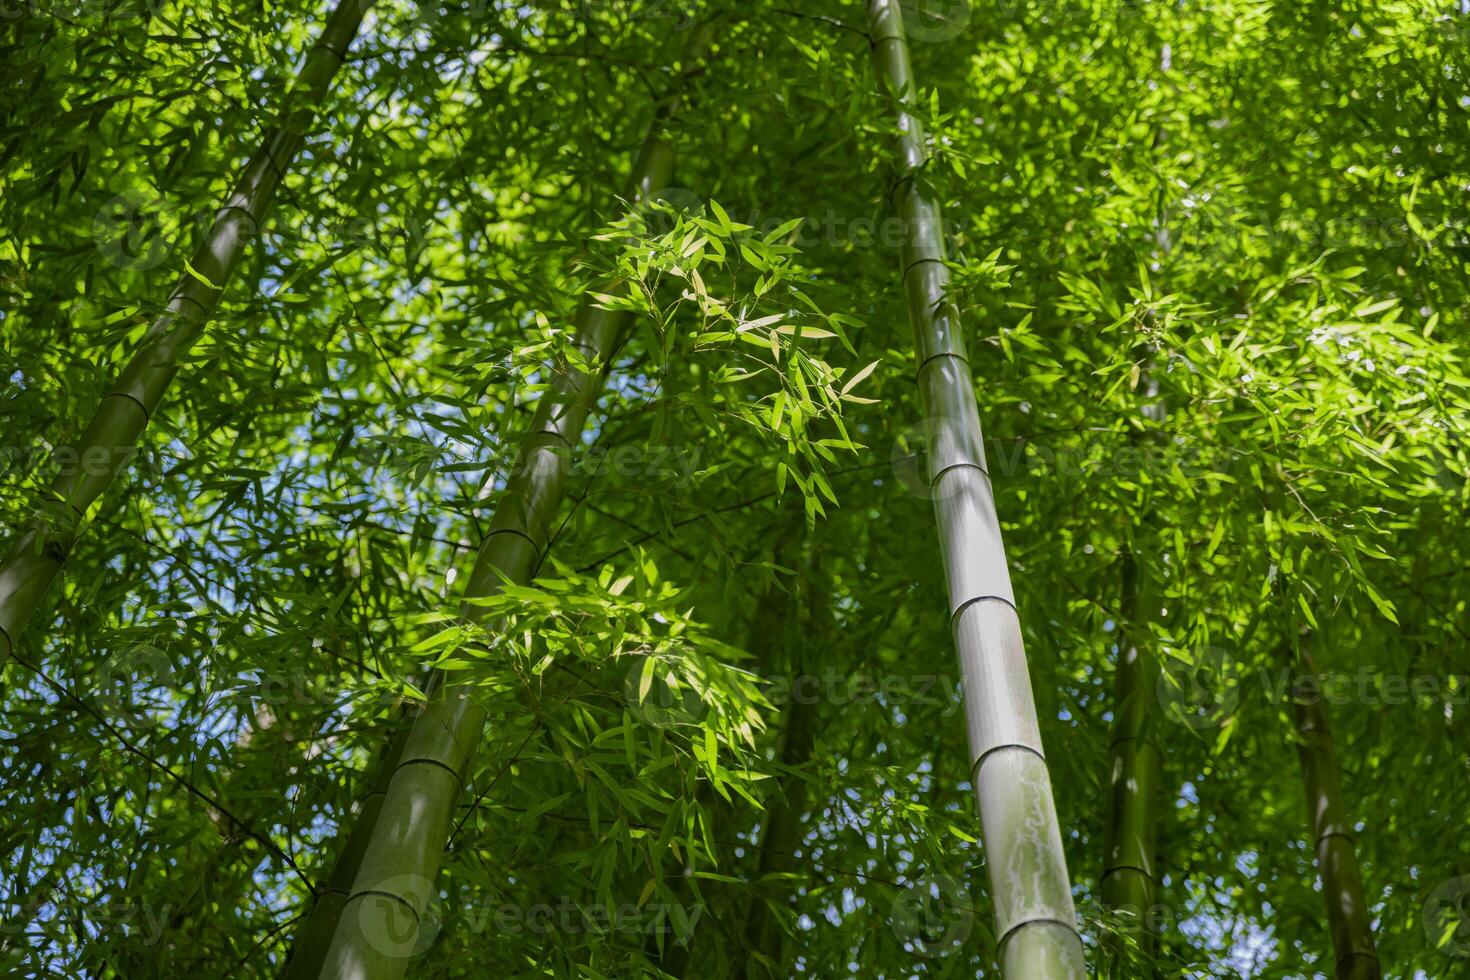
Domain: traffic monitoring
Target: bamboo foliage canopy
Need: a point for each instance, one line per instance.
(724, 725)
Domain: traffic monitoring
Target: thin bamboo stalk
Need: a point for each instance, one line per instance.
(1129, 879)
(110, 439)
(314, 938)
(379, 921)
(765, 936)
(764, 933)
(1356, 957)
(1130, 875)
(764, 635)
(1036, 923)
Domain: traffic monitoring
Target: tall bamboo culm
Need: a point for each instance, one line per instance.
(796, 622)
(1355, 956)
(1036, 924)
(377, 929)
(1129, 879)
(36, 557)
(315, 935)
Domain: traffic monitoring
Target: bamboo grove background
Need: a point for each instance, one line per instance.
(1208, 260)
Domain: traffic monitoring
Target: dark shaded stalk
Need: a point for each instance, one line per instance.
(110, 439)
(378, 926)
(1356, 957)
(315, 935)
(765, 936)
(1129, 879)
(1036, 923)
(764, 636)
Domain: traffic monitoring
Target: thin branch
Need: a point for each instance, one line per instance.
(193, 790)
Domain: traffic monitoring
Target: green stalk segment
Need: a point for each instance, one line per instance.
(1036, 923)
(314, 938)
(378, 927)
(1129, 878)
(111, 438)
(1332, 837)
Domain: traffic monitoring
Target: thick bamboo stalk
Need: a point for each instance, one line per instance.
(379, 921)
(111, 438)
(1036, 924)
(1129, 879)
(1356, 957)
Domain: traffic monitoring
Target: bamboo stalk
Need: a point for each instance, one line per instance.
(809, 608)
(765, 938)
(779, 651)
(379, 920)
(1036, 923)
(111, 438)
(1356, 957)
(1129, 879)
(314, 938)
